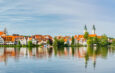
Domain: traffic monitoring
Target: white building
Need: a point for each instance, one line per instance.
(23, 41)
(1, 40)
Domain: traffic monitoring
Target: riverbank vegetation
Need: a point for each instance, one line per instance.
(60, 43)
(103, 41)
(96, 41)
(90, 41)
(29, 44)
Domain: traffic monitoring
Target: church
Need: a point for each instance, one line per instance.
(93, 29)
(80, 38)
(3, 33)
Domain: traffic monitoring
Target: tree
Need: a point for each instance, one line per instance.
(30, 44)
(58, 42)
(95, 40)
(73, 40)
(55, 43)
(18, 44)
(61, 43)
(86, 35)
(90, 41)
(49, 42)
(113, 43)
(104, 40)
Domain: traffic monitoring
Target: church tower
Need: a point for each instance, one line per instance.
(5, 31)
(93, 30)
(85, 29)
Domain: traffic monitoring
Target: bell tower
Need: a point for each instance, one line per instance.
(85, 29)
(5, 31)
(93, 29)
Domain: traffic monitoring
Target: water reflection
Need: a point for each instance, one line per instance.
(88, 54)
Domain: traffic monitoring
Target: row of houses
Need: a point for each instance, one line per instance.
(40, 39)
(77, 39)
(14, 39)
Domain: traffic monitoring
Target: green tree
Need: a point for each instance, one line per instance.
(73, 41)
(95, 40)
(90, 41)
(18, 44)
(49, 42)
(104, 40)
(113, 43)
(86, 35)
(58, 42)
(30, 44)
(55, 43)
(61, 43)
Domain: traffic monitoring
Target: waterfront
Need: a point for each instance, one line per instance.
(58, 60)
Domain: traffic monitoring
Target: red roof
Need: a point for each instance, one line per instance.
(1, 33)
(92, 35)
(80, 36)
(75, 36)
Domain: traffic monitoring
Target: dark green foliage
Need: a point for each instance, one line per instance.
(78, 45)
(58, 42)
(95, 40)
(86, 35)
(61, 43)
(19, 44)
(49, 42)
(30, 44)
(90, 41)
(73, 41)
(55, 43)
(113, 43)
(104, 40)
(66, 45)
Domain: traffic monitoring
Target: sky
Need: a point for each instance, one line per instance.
(57, 17)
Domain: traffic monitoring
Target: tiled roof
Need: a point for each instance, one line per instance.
(75, 36)
(8, 38)
(98, 36)
(1, 33)
(65, 40)
(92, 35)
(79, 37)
(30, 38)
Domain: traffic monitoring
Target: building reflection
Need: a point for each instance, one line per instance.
(86, 53)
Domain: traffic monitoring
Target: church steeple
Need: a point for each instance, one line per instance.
(5, 30)
(93, 30)
(85, 29)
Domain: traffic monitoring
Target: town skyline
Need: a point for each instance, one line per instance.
(46, 40)
(84, 29)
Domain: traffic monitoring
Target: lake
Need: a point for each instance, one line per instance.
(57, 60)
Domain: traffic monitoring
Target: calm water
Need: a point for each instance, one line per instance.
(61, 60)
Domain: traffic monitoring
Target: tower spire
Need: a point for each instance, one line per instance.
(94, 29)
(5, 30)
(85, 28)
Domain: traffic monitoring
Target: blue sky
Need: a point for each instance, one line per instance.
(57, 17)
